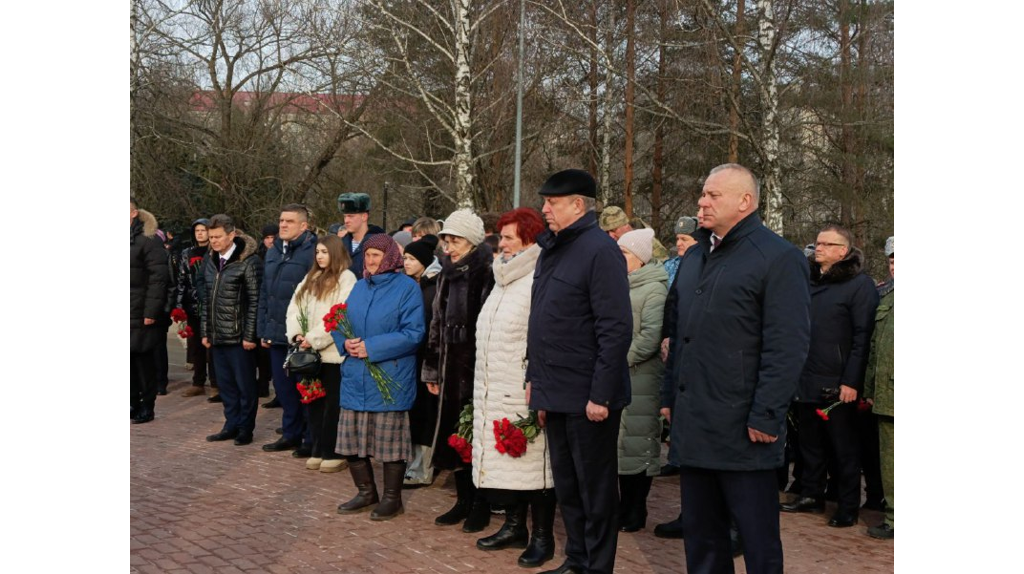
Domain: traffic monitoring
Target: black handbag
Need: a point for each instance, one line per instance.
(305, 362)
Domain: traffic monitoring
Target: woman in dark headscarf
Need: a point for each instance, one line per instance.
(385, 311)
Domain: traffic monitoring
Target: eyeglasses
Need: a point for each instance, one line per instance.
(827, 244)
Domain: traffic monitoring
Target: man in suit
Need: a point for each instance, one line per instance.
(580, 329)
(742, 330)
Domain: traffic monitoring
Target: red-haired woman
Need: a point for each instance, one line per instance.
(328, 283)
(498, 393)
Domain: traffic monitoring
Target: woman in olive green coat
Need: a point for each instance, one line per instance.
(640, 429)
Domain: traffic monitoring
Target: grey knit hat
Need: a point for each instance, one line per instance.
(464, 223)
(402, 238)
(686, 225)
(890, 246)
(638, 242)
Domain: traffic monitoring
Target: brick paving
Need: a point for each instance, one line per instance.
(199, 507)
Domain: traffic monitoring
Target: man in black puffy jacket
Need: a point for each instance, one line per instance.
(231, 275)
(150, 277)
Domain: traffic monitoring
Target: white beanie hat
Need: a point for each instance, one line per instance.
(639, 243)
(464, 223)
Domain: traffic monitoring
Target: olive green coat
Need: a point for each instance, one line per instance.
(878, 382)
(640, 428)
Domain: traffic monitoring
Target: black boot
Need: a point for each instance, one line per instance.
(633, 511)
(479, 514)
(512, 534)
(542, 539)
(362, 475)
(391, 505)
(463, 504)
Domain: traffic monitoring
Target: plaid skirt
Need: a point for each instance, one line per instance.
(384, 436)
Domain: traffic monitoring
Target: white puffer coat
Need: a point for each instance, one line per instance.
(498, 384)
(315, 308)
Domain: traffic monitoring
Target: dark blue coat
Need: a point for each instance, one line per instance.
(742, 330)
(843, 304)
(581, 322)
(386, 312)
(281, 275)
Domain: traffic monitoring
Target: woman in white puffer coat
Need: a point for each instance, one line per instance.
(524, 482)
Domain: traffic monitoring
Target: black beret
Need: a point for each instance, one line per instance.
(570, 182)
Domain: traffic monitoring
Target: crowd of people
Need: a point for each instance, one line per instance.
(541, 358)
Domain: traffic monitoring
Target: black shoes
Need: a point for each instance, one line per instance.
(215, 399)
(878, 504)
(243, 439)
(281, 444)
(565, 568)
(272, 404)
(142, 416)
(804, 504)
(672, 529)
(843, 519)
(223, 435)
(304, 451)
(882, 532)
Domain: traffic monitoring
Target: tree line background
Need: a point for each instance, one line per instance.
(240, 106)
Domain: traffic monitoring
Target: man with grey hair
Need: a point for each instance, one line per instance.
(742, 330)
(580, 329)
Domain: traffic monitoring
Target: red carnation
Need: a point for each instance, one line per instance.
(194, 261)
(185, 332)
(179, 315)
(509, 439)
(823, 413)
(462, 447)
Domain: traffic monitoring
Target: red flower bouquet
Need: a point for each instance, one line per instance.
(462, 440)
(310, 390)
(179, 315)
(185, 331)
(337, 320)
(195, 261)
(508, 439)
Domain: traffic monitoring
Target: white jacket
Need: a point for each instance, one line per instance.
(315, 308)
(500, 373)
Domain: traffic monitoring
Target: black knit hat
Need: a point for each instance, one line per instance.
(570, 182)
(423, 250)
(269, 229)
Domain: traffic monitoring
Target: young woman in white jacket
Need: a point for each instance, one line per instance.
(328, 283)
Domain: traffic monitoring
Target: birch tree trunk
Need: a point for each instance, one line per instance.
(462, 134)
(606, 144)
(737, 70)
(771, 191)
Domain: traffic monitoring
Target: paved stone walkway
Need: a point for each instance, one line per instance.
(200, 507)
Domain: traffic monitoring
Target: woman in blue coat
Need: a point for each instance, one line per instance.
(385, 310)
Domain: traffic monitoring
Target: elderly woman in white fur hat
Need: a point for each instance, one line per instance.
(640, 428)
(448, 367)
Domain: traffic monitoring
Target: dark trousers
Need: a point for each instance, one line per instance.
(160, 356)
(840, 433)
(236, 379)
(143, 379)
(584, 463)
(867, 427)
(293, 419)
(198, 355)
(324, 413)
(264, 371)
(710, 498)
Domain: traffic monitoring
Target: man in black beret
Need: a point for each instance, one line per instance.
(581, 325)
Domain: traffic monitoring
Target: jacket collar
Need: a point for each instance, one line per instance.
(549, 239)
(743, 227)
(841, 271)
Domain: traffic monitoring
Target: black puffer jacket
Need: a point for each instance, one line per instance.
(150, 278)
(843, 303)
(233, 294)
